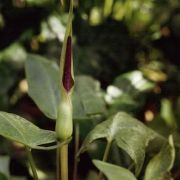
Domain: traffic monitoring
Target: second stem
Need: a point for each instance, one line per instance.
(105, 157)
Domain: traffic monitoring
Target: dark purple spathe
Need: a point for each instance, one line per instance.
(68, 81)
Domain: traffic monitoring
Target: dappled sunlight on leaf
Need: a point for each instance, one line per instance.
(128, 133)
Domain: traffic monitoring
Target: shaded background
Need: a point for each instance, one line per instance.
(111, 37)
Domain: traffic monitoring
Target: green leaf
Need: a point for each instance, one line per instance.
(161, 164)
(108, 5)
(128, 92)
(15, 54)
(4, 167)
(92, 175)
(56, 26)
(120, 101)
(87, 98)
(128, 133)
(18, 178)
(3, 177)
(133, 83)
(38, 3)
(6, 74)
(44, 88)
(114, 172)
(43, 82)
(18, 129)
(167, 113)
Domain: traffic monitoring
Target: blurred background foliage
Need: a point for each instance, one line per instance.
(132, 47)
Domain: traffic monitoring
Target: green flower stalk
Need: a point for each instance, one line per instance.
(64, 123)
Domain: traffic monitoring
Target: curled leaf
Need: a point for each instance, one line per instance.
(160, 165)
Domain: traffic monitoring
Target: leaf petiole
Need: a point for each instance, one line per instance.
(32, 163)
(105, 156)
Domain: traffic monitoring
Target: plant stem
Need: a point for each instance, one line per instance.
(58, 163)
(105, 157)
(32, 164)
(75, 151)
(64, 162)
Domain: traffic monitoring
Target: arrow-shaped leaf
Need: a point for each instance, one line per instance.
(128, 133)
